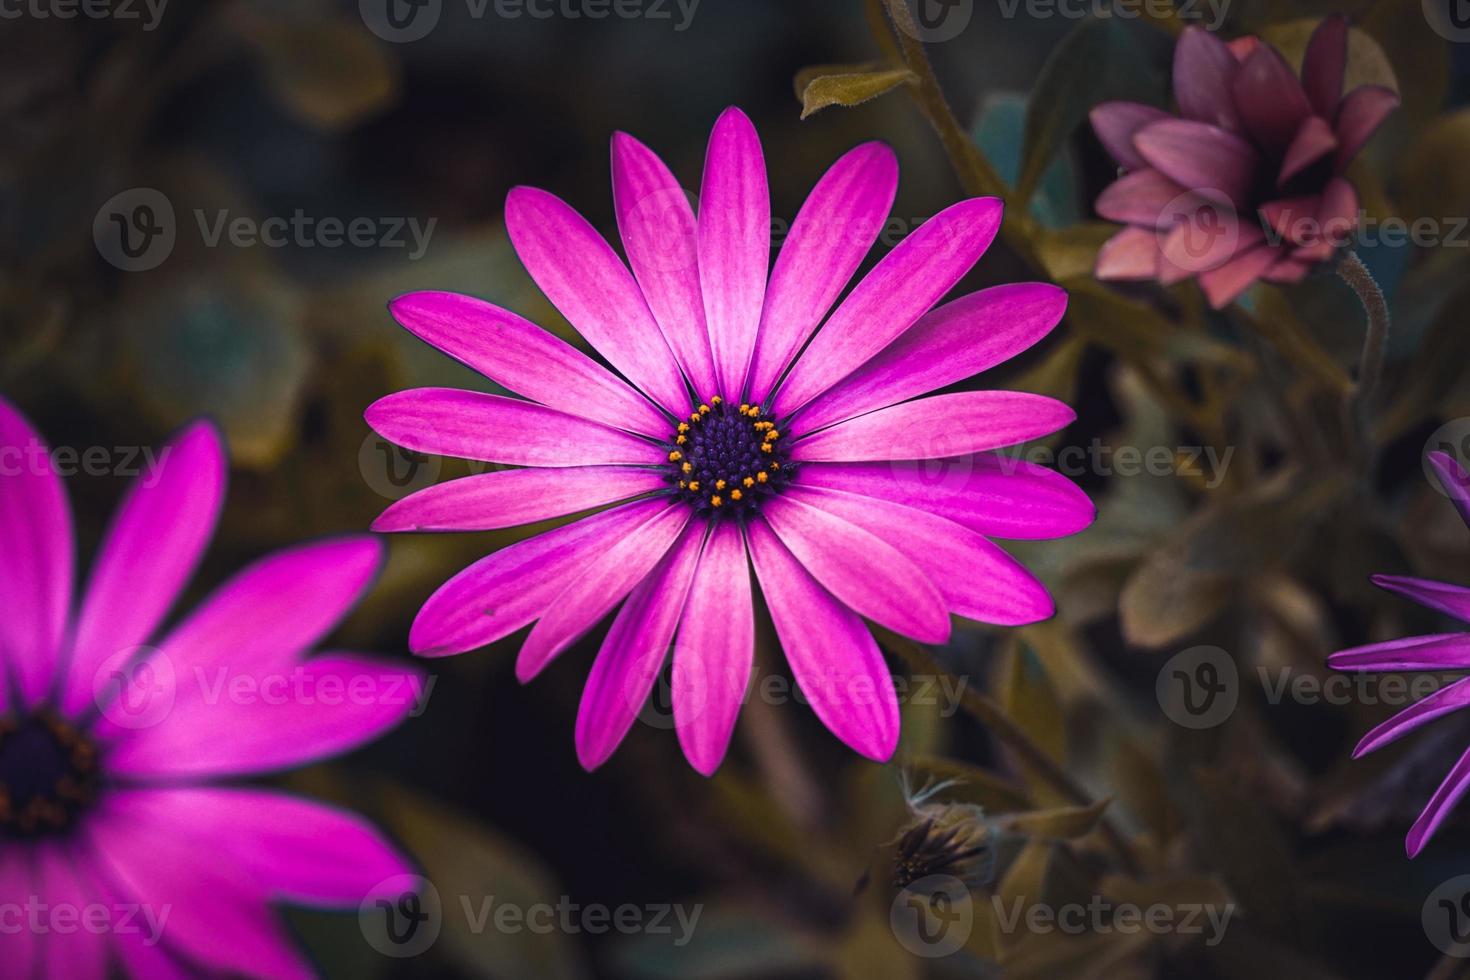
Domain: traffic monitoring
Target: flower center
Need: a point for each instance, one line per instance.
(727, 459)
(48, 775)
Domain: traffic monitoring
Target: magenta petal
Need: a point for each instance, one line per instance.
(1311, 143)
(1454, 480)
(595, 589)
(938, 426)
(584, 279)
(660, 235)
(1213, 162)
(834, 230)
(832, 655)
(1270, 99)
(871, 577)
(1204, 75)
(1450, 599)
(1131, 254)
(18, 876)
(523, 358)
(35, 555)
(505, 498)
(1223, 283)
(993, 587)
(1116, 122)
(1324, 64)
(496, 429)
(61, 883)
(1194, 247)
(634, 651)
(1338, 216)
(900, 289)
(1288, 270)
(1440, 651)
(504, 591)
(1440, 804)
(734, 246)
(1146, 197)
(1358, 118)
(1449, 698)
(994, 495)
(714, 649)
(1294, 220)
(956, 341)
(150, 552)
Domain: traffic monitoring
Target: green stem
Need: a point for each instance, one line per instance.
(1375, 341)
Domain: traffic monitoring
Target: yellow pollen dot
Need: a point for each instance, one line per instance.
(734, 494)
(719, 484)
(683, 426)
(704, 410)
(681, 440)
(715, 501)
(744, 409)
(755, 411)
(682, 484)
(675, 456)
(775, 466)
(761, 477)
(773, 434)
(765, 447)
(694, 485)
(748, 482)
(716, 400)
(694, 417)
(686, 468)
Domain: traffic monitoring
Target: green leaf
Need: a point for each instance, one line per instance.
(1059, 823)
(1031, 702)
(848, 88)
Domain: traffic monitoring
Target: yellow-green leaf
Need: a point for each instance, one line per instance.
(849, 89)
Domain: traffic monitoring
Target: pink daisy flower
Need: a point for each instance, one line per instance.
(734, 434)
(1248, 182)
(1438, 652)
(110, 750)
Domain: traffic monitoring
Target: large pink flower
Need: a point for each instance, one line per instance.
(115, 849)
(737, 433)
(1248, 184)
(1437, 652)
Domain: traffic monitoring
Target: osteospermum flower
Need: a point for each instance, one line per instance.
(1247, 183)
(1437, 652)
(738, 434)
(117, 851)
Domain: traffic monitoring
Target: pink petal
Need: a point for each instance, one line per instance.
(1452, 697)
(1440, 804)
(502, 592)
(734, 246)
(18, 876)
(1212, 162)
(634, 651)
(1450, 599)
(36, 555)
(486, 501)
(1288, 271)
(148, 555)
(660, 237)
(1270, 99)
(592, 591)
(1454, 480)
(1324, 64)
(871, 577)
(1313, 141)
(1441, 651)
(521, 357)
(60, 883)
(956, 341)
(1146, 197)
(900, 289)
(994, 495)
(1208, 241)
(1204, 73)
(993, 588)
(1359, 117)
(496, 429)
(1116, 122)
(1131, 254)
(1294, 220)
(938, 426)
(714, 650)
(834, 230)
(584, 279)
(1224, 283)
(832, 655)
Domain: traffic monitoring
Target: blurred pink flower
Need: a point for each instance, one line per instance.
(741, 435)
(1247, 183)
(108, 748)
(1437, 652)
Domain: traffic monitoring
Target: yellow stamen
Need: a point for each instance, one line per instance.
(683, 426)
(681, 440)
(715, 501)
(775, 466)
(703, 409)
(719, 484)
(675, 456)
(755, 411)
(761, 477)
(773, 434)
(686, 468)
(716, 400)
(694, 485)
(748, 482)
(765, 447)
(734, 494)
(682, 484)
(744, 409)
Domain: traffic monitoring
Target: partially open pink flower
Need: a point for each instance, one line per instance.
(1437, 652)
(116, 852)
(1247, 183)
(737, 434)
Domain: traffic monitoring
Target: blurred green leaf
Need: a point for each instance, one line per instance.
(1031, 702)
(829, 85)
(328, 73)
(1059, 823)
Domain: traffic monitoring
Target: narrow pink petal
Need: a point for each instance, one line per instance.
(871, 577)
(486, 501)
(1454, 480)
(1338, 216)
(992, 588)
(734, 246)
(1131, 254)
(1324, 64)
(714, 649)
(592, 591)
(833, 231)
(1294, 219)
(1116, 122)
(1440, 804)
(1313, 141)
(1358, 118)
(1148, 198)
(1204, 74)
(18, 876)
(900, 289)
(1223, 283)
(36, 553)
(634, 651)
(1450, 599)
(1440, 651)
(1243, 47)
(77, 951)
(1270, 99)
(661, 238)
(1452, 697)
(504, 591)
(1288, 270)
(938, 426)
(951, 343)
(275, 717)
(1213, 162)
(148, 555)
(521, 357)
(496, 429)
(1208, 242)
(994, 495)
(832, 655)
(584, 279)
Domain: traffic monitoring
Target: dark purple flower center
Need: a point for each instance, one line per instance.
(727, 458)
(48, 775)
